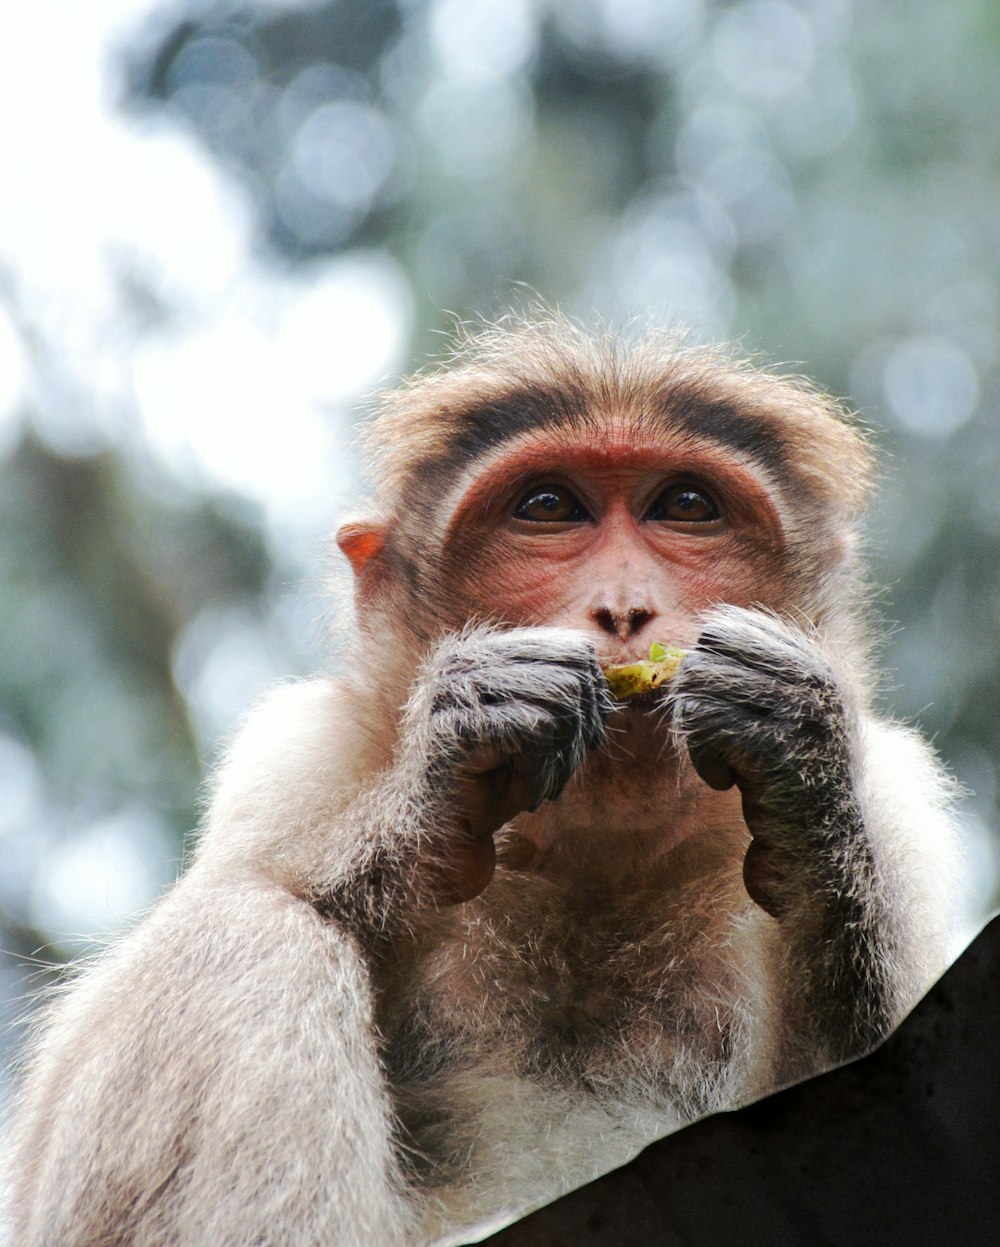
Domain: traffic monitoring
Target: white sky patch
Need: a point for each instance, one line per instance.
(173, 209)
(345, 329)
(217, 406)
(254, 400)
(233, 374)
(53, 206)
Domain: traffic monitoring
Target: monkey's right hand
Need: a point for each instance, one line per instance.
(498, 723)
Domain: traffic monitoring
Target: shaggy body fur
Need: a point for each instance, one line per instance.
(309, 1044)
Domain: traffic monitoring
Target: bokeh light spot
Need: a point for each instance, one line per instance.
(222, 62)
(764, 48)
(931, 386)
(478, 129)
(344, 152)
(490, 37)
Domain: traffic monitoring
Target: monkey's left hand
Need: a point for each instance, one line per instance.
(759, 706)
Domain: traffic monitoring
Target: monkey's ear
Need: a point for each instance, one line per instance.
(362, 540)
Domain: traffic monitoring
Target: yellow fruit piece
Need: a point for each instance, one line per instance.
(630, 679)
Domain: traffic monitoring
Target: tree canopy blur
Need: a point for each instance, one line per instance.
(224, 222)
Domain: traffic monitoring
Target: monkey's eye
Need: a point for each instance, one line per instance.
(686, 504)
(551, 504)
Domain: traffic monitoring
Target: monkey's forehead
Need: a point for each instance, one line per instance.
(554, 374)
(445, 427)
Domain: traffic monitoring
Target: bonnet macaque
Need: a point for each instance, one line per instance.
(461, 930)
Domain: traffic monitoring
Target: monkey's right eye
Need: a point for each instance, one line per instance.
(551, 504)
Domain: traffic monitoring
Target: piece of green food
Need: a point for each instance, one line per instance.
(629, 679)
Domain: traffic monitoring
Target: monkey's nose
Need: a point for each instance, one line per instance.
(622, 624)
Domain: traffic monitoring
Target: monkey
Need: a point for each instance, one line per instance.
(460, 932)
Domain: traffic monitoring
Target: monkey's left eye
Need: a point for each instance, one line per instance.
(686, 504)
(551, 504)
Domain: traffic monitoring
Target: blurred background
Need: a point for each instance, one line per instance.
(223, 222)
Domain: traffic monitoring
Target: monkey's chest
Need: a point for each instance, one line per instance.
(609, 1004)
(540, 1056)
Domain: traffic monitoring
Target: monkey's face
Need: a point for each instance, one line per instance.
(627, 534)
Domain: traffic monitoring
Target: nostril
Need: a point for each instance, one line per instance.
(622, 624)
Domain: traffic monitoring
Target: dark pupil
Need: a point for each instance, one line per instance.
(690, 503)
(547, 502)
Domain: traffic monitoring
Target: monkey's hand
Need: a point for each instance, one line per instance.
(759, 705)
(497, 725)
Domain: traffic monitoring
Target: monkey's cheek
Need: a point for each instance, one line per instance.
(465, 870)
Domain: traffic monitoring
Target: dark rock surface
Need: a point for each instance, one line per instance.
(899, 1149)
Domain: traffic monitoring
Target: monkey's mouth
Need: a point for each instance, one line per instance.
(652, 702)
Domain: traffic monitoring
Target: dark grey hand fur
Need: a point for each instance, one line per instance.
(510, 713)
(759, 704)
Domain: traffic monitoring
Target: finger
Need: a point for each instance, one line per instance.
(486, 757)
(466, 869)
(763, 879)
(712, 767)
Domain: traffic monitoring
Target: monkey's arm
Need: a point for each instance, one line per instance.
(212, 1082)
(852, 843)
